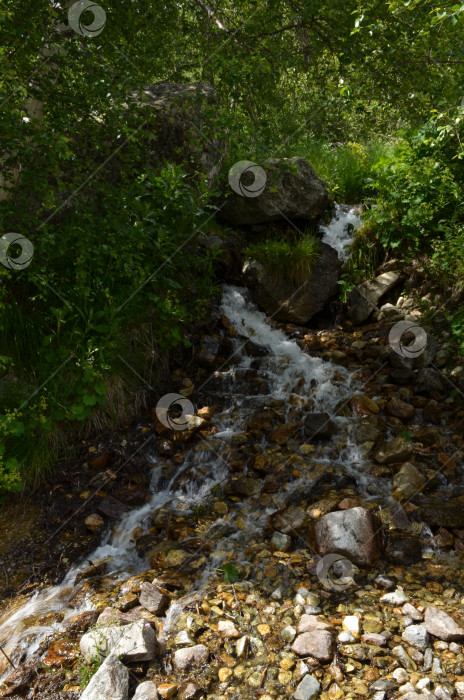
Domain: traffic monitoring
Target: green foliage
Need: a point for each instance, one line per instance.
(293, 259)
(230, 573)
(114, 267)
(406, 435)
(88, 669)
(345, 168)
(418, 199)
(11, 427)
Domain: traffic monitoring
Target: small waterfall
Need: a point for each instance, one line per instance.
(340, 231)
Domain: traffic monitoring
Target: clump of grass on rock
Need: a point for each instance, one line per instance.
(288, 259)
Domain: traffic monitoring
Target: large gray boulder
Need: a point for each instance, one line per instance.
(179, 122)
(364, 298)
(352, 533)
(110, 682)
(290, 190)
(288, 301)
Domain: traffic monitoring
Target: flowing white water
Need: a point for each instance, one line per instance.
(340, 231)
(284, 367)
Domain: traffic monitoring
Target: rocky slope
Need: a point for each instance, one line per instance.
(302, 536)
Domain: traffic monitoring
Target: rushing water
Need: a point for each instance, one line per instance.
(339, 232)
(283, 366)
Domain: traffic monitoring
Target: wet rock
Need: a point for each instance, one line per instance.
(400, 409)
(282, 433)
(94, 522)
(377, 640)
(208, 351)
(441, 625)
(308, 623)
(61, 653)
(395, 598)
(112, 616)
(190, 658)
(352, 533)
(261, 420)
(111, 681)
(289, 300)
(281, 542)
(317, 643)
(359, 652)
(167, 690)
(226, 628)
(292, 190)
(382, 684)
(307, 689)
(21, 678)
(192, 691)
(154, 598)
(126, 602)
(289, 520)
(412, 612)
(82, 622)
(244, 486)
(365, 297)
(407, 482)
(396, 450)
(416, 635)
(146, 691)
(401, 376)
(384, 582)
(111, 507)
(436, 511)
(133, 642)
(318, 426)
(360, 403)
(288, 634)
(428, 380)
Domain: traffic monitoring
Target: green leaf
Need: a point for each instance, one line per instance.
(230, 573)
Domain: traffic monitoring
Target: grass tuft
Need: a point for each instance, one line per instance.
(285, 259)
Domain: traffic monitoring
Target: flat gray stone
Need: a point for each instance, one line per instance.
(308, 623)
(146, 691)
(111, 682)
(190, 658)
(135, 641)
(153, 598)
(416, 635)
(317, 643)
(441, 625)
(307, 689)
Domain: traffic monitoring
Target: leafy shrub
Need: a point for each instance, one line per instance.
(417, 200)
(112, 285)
(345, 168)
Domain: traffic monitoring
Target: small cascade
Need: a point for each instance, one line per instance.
(340, 231)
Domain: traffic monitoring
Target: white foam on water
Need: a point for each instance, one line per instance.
(340, 231)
